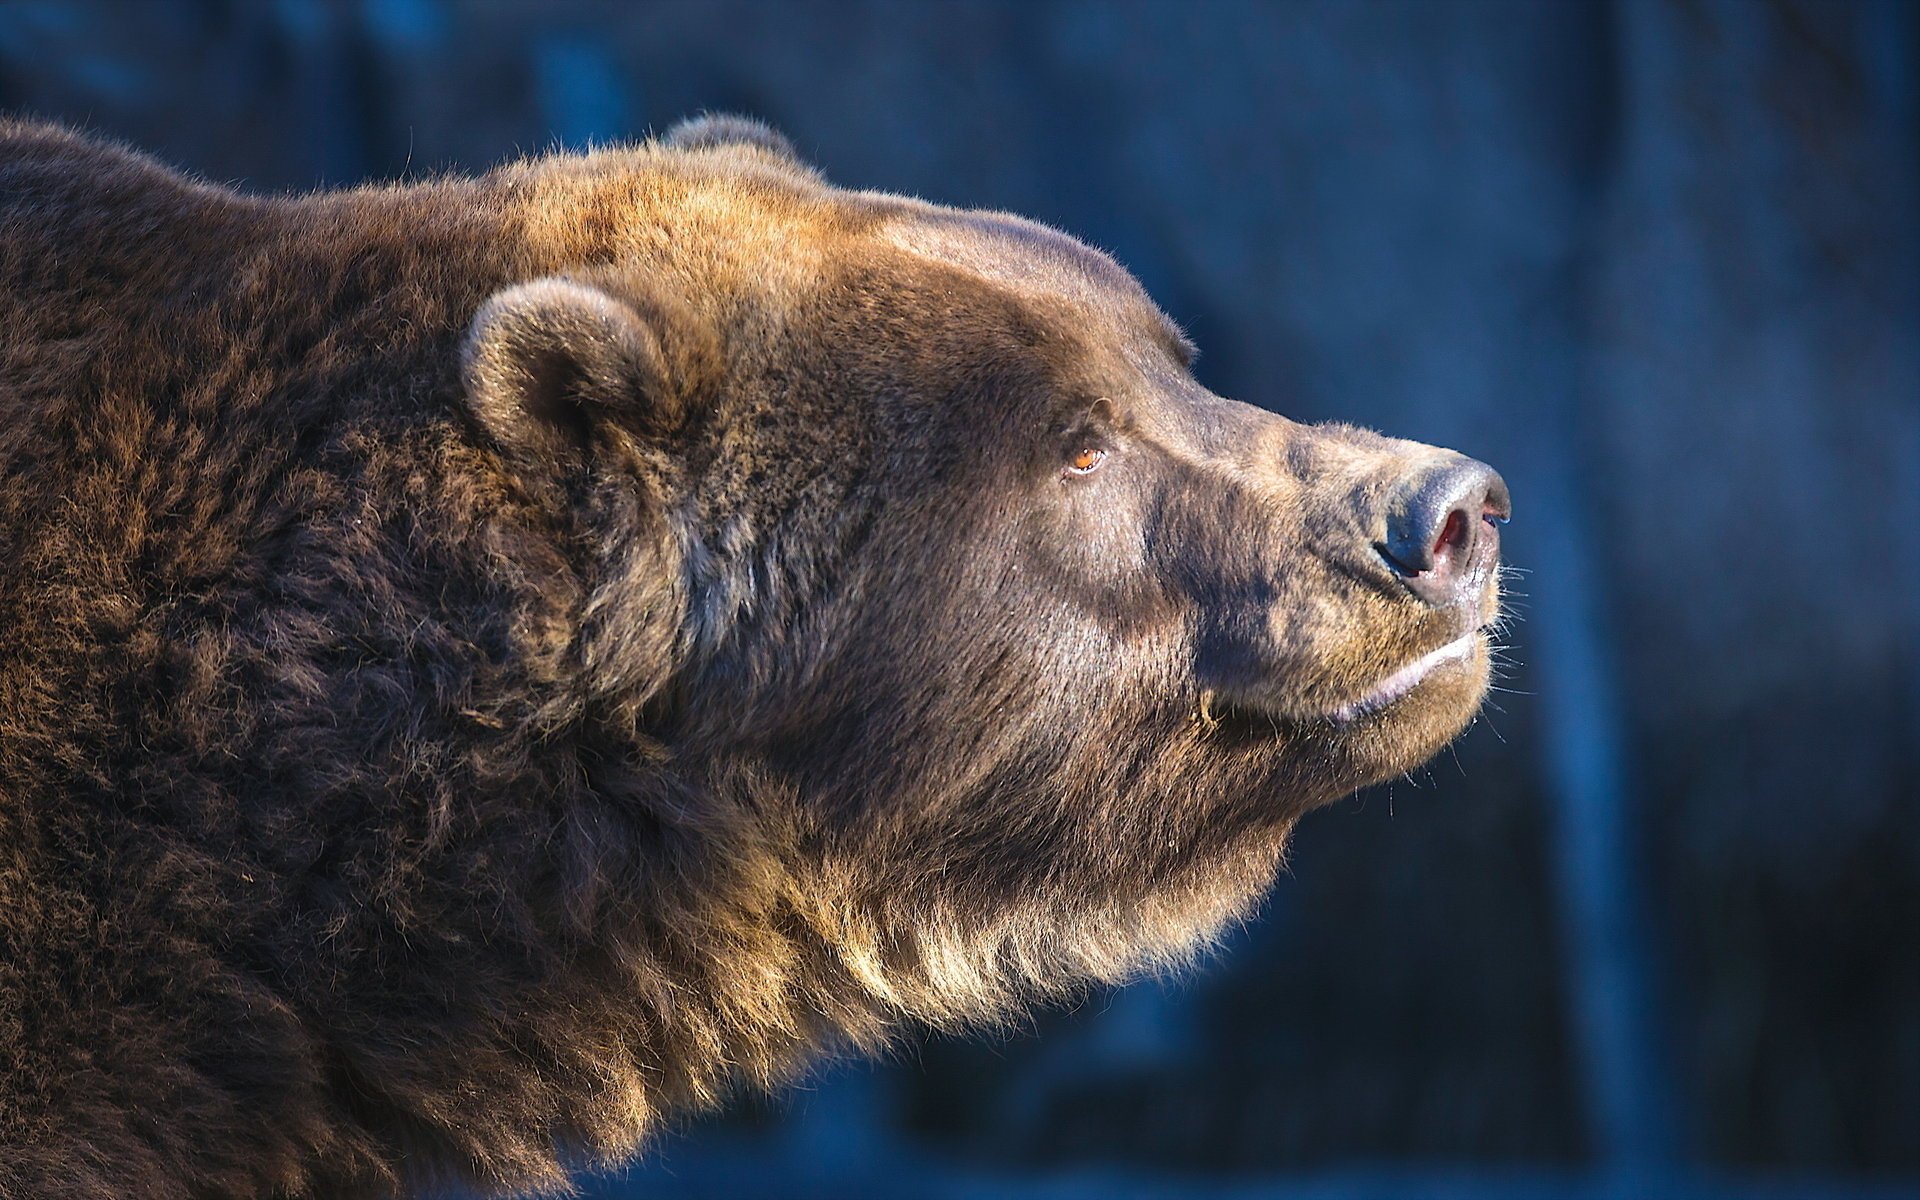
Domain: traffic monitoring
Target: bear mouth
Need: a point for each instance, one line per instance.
(1252, 718)
(1404, 680)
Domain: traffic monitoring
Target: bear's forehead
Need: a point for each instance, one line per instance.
(1033, 262)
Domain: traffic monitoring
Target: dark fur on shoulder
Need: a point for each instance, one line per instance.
(488, 663)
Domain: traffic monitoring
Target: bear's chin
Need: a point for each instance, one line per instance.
(1376, 741)
(1395, 725)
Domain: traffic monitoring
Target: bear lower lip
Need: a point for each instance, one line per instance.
(1404, 680)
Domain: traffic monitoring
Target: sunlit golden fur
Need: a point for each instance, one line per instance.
(489, 663)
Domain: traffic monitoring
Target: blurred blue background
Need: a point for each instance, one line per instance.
(1653, 927)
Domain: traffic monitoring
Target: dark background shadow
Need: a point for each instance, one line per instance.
(1658, 917)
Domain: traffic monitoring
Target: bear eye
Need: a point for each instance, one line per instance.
(1087, 461)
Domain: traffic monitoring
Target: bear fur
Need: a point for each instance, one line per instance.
(488, 663)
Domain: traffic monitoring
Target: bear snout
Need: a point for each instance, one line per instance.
(1443, 531)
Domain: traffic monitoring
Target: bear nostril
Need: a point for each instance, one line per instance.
(1443, 524)
(1453, 536)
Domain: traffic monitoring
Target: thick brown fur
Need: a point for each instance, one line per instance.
(488, 663)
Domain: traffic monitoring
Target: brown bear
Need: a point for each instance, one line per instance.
(488, 663)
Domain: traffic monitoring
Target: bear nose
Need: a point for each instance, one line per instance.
(1443, 530)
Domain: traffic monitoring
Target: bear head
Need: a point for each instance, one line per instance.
(913, 524)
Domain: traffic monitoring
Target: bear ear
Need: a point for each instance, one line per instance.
(712, 131)
(547, 363)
